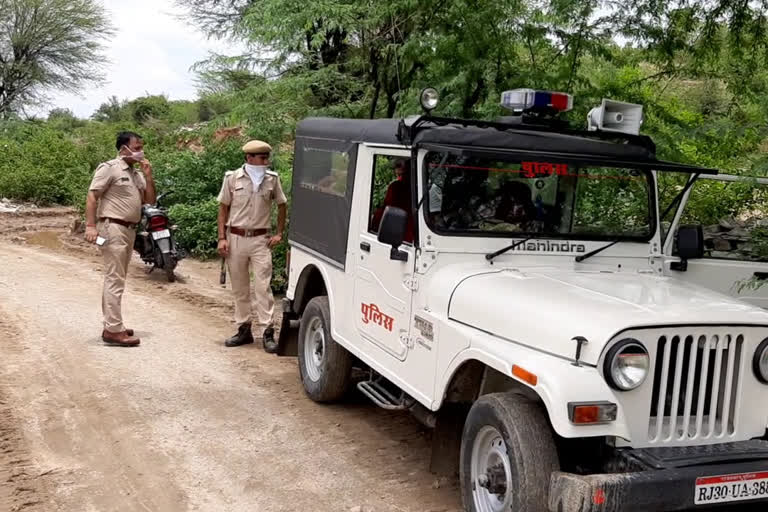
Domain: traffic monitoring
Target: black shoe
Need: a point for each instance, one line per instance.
(270, 345)
(269, 335)
(243, 336)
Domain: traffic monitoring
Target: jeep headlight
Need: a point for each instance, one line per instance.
(627, 365)
(761, 362)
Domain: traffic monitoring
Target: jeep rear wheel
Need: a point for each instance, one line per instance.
(507, 456)
(325, 366)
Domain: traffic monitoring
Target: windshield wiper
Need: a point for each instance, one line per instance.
(490, 256)
(582, 257)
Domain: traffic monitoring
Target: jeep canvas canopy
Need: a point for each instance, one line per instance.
(325, 159)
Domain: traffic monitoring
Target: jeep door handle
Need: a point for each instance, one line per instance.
(365, 246)
(761, 275)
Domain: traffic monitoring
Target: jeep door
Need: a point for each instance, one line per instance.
(382, 291)
(730, 210)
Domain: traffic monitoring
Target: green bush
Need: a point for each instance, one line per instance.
(40, 165)
(197, 226)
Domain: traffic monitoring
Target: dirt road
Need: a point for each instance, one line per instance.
(180, 423)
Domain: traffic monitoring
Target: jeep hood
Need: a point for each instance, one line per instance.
(546, 309)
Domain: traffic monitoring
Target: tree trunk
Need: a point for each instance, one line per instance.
(472, 98)
(375, 101)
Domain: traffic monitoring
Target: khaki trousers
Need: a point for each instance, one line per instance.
(117, 254)
(250, 261)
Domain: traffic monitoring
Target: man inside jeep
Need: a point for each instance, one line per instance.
(515, 205)
(398, 195)
(471, 203)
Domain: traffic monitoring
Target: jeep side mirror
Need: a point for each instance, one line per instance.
(392, 231)
(690, 245)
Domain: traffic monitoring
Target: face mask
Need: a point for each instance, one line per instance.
(256, 173)
(256, 169)
(137, 156)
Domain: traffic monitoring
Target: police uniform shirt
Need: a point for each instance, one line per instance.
(249, 207)
(122, 190)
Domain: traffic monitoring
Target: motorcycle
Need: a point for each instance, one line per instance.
(154, 239)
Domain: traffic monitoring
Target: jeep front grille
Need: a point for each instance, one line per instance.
(695, 387)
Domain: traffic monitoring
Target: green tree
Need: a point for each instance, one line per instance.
(113, 110)
(47, 45)
(64, 119)
(148, 107)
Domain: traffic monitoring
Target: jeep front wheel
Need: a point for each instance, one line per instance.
(324, 365)
(507, 456)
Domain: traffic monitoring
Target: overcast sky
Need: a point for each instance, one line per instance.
(151, 52)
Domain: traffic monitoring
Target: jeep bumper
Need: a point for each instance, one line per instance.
(669, 479)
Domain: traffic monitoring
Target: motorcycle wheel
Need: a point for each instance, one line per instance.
(169, 264)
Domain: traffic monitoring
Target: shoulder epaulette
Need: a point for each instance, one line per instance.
(273, 173)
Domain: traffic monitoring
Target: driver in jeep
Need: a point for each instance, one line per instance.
(515, 205)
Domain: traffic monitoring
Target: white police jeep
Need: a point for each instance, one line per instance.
(514, 289)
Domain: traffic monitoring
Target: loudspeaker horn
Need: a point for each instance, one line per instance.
(616, 116)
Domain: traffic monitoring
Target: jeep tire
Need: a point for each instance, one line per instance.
(324, 365)
(507, 455)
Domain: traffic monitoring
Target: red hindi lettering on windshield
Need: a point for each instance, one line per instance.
(533, 169)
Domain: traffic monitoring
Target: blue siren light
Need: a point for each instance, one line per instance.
(520, 100)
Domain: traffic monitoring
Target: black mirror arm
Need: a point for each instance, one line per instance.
(162, 196)
(679, 196)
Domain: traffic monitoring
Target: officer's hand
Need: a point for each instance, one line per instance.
(146, 167)
(275, 241)
(91, 234)
(223, 248)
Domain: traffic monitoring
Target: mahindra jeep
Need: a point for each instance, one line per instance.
(511, 284)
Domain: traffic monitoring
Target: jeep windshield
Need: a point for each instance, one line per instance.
(482, 195)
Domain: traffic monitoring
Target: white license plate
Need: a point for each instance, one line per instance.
(726, 488)
(161, 234)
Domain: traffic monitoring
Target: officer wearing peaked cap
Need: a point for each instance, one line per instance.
(244, 222)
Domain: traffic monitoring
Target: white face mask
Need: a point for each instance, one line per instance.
(256, 173)
(255, 169)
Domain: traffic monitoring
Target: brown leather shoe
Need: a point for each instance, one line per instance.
(129, 332)
(120, 339)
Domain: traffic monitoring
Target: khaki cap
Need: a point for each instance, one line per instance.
(255, 147)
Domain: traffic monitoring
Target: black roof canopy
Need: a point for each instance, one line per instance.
(373, 131)
(446, 133)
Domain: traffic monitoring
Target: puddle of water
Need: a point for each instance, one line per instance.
(49, 239)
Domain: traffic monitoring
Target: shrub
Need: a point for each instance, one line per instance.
(197, 226)
(41, 165)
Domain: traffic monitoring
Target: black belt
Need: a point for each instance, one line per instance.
(131, 225)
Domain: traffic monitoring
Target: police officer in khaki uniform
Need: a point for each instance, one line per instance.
(245, 204)
(113, 208)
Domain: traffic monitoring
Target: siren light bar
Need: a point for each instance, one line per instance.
(520, 100)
